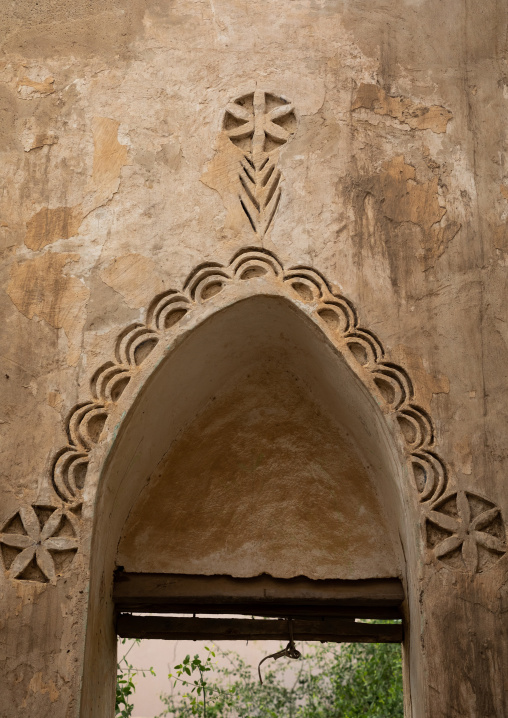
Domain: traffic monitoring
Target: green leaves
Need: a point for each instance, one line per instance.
(199, 686)
(331, 681)
(369, 681)
(346, 681)
(124, 688)
(125, 674)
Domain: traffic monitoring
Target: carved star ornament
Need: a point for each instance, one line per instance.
(471, 527)
(36, 542)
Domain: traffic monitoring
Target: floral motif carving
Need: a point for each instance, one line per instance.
(35, 540)
(259, 124)
(337, 316)
(465, 531)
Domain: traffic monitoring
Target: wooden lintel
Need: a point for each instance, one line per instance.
(217, 629)
(262, 595)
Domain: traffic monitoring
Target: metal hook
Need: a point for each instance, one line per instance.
(290, 651)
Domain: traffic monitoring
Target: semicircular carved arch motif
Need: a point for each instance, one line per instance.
(461, 527)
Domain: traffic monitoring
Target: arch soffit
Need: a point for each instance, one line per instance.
(460, 526)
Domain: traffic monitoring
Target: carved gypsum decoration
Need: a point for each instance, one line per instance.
(38, 542)
(466, 531)
(259, 124)
(338, 318)
(333, 312)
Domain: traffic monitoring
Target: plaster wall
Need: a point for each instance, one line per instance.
(263, 481)
(119, 177)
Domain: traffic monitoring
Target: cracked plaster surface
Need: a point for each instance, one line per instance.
(110, 123)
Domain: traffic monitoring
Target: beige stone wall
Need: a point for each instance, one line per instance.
(120, 177)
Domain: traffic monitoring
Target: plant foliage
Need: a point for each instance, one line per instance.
(330, 681)
(125, 674)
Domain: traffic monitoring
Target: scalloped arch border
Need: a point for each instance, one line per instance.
(335, 314)
(332, 312)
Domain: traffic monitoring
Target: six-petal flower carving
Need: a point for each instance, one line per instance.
(466, 532)
(37, 542)
(259, 124)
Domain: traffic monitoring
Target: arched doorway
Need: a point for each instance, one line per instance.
(290, 329)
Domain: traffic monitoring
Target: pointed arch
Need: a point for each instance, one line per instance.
(210, 287)
(203, 332)
(251, 271)
(85, 487)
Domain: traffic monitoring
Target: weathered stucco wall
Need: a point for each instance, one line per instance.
(122, 173)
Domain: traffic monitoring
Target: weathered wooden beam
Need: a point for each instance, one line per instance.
(262, 595)
(217, 629)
